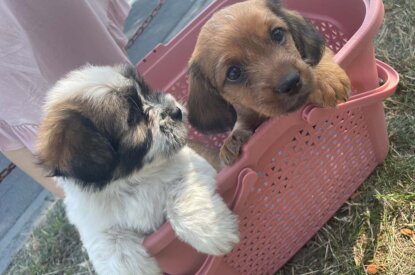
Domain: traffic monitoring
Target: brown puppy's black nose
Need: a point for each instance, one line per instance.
(176, 114)
(290, 83)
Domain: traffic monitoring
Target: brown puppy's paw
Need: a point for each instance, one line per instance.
(333, 85)
(232, 146)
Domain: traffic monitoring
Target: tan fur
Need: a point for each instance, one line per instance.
(240, 34)
(51, 139)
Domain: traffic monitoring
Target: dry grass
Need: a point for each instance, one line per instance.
(364, 236)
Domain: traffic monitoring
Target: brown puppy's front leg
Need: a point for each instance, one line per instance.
(333, 85)
(231, 147)
(247, 122)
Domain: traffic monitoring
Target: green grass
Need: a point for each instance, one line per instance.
(53, 248)
(365, 231)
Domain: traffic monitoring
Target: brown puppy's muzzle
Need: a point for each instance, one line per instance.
(295, 77)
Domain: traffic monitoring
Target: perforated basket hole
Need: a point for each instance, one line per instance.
(334, 37)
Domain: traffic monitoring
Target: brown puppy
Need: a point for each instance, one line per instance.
(255, 60)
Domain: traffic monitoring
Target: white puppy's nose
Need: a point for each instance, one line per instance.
(176, 114)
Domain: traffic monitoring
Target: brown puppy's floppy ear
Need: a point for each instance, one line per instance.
(308, 40)
(70, 145)
(208, 111)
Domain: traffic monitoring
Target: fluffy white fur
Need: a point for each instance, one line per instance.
(113, 222)
(90, 81)
(178, 187)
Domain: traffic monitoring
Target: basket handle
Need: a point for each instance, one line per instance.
(214, 265)
(246, 180)
(313, 114)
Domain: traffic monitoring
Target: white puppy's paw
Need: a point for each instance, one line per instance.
(220, 236)
(200, 217)
(120, 251)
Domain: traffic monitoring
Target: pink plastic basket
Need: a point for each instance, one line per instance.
(297, 170)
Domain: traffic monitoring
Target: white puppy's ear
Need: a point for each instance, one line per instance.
(69, 145)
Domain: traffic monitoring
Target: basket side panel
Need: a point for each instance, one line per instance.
(303, 180)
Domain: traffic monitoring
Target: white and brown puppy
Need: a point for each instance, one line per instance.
(119, 152)
(254, 60)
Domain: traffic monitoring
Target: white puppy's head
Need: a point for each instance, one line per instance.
(104, 123)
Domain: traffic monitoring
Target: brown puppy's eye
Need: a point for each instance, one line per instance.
(277, 34)
(234, 74)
